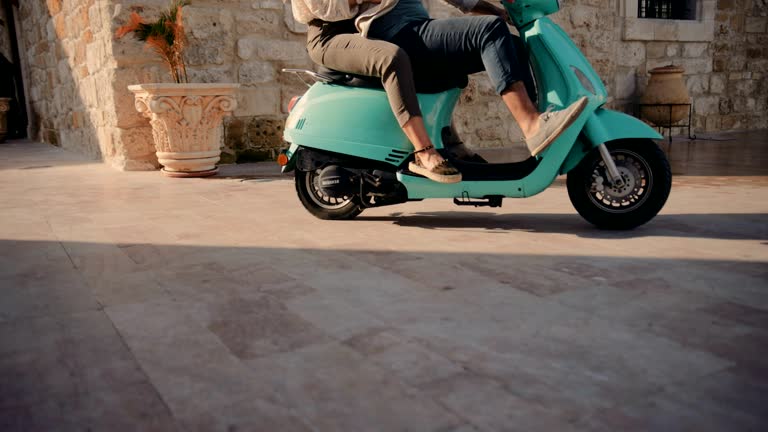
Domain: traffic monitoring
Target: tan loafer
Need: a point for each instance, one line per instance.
(552, 124)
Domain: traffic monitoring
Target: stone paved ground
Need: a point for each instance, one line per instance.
(131, 301)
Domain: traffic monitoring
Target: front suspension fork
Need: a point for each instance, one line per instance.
(610, 165)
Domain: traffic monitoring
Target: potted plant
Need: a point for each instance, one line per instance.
(186, 118)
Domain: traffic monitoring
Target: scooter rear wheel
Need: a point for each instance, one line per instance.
(321, 205)
(647, 183)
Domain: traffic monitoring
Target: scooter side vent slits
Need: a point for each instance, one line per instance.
(300, 123)
(395, 156)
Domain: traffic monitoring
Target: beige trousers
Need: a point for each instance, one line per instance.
(336, 45)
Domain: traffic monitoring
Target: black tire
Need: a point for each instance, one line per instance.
(648, 181)
(321, 206)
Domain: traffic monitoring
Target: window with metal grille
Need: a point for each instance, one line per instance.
(667, 9)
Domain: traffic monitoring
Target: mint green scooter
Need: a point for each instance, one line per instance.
(349, 153)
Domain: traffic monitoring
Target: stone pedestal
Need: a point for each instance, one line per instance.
(5, 106)
(186, 124)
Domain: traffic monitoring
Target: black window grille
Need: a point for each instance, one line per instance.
(667, 9)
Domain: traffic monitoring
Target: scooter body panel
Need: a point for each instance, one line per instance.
(562, 72)
(359, 121)
(541, 178)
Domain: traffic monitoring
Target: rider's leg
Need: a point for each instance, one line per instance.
(357, 55)
(485, 43)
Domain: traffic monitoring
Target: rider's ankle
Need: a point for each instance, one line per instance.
(531, 130)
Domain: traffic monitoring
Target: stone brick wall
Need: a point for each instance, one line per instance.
(71, 77)
(724, 63)
(740, 64)
(78, 72)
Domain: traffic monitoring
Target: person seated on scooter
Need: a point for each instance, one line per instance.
(334, 42)
(468, 45)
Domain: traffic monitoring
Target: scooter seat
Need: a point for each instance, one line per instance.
(437, 85)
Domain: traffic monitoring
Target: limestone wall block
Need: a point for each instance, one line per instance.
(733, 121)
(755, 24)
(208, 74)
(88, 93)
(631, 54)
(706, 105)
(736, 62)
(697, 84)
(601, 41)
(626, 83)
(708, 9)
(262, 100)
(583, 17)
(743, 87)
(672, 50)
(666, 31)
(270, 49)
(211, 36)
(138, 146)
(209, 52)
(694, 31)
(255, 72)
(638, 29)
(95, 18)
(696, 49)
(95, 55)
(203, 23)
(268, 4)
(717, 83)
(758, 66)
(259, 22)
(656, 50)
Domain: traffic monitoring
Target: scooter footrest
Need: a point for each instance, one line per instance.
(489, 201)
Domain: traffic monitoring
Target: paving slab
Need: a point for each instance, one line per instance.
(132, 301)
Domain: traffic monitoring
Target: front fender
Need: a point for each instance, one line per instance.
(603, 126)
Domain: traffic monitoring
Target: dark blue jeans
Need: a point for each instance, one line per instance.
(442, 48)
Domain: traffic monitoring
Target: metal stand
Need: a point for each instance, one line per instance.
(669, 124)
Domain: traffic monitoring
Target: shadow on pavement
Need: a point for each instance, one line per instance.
(715, 226)
(99, 336)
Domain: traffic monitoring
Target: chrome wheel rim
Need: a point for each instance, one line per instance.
(638, 182)
(317, 196)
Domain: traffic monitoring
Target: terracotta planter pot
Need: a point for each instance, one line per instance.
(666, 86)
(5, 106)
(186, 124)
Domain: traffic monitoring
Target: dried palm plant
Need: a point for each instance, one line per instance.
(165, 36)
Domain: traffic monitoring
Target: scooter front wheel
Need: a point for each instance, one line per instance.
(321, 205)
(645, 187)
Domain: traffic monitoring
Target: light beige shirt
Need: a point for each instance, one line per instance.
(305, 11)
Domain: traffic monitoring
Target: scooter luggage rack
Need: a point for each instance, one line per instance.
(318, 77)
(670, 124)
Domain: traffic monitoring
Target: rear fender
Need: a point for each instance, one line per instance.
(603, 126)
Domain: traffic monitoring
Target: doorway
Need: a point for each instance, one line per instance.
(11, 80)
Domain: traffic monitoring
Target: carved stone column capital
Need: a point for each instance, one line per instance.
(186, 122)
